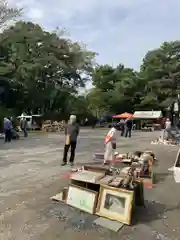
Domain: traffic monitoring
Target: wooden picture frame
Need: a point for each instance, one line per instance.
(82, 198)
(121, 197)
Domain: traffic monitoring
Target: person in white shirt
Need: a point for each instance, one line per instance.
(110, 144)
(167, 128)
(167, 124)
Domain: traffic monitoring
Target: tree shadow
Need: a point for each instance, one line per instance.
(152, 211)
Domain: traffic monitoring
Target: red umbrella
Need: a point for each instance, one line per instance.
(123, 115)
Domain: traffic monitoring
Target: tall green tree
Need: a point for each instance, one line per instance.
(42, 69)
(161, 69)
(117, 88)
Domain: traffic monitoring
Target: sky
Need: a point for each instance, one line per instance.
(120, 31)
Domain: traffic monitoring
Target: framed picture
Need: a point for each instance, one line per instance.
(115, 204)
(81, 198)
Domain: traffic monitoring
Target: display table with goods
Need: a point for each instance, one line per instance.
(100, 192)
(142, 162)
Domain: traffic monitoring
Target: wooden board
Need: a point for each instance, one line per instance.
(58, 197)
(88, 176)
(96, 169)
(106, 180)
(109, 224)
(61, 196)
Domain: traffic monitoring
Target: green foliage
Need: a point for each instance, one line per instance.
(41, 70)
(116, 89)
(154, 87)
(161, 69)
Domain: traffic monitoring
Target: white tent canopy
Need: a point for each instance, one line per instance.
(147, 114)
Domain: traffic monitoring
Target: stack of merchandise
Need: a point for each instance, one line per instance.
(169, 142)
(55, 126)
(142, 162)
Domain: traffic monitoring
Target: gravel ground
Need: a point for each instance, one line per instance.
(31, 173)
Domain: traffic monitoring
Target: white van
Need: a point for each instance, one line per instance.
(34, 121)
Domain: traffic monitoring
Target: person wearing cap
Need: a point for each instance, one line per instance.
(71, 134)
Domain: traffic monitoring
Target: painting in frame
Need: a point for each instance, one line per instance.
(115, 204)
(82, 198)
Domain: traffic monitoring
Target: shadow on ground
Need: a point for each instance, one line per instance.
(73, 218)
(152, 211)
(76, 219)
(160, 177)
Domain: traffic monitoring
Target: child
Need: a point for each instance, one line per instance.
(110, 144)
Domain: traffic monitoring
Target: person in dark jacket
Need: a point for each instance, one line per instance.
(24, 126)
(71, 134)
(128, 127)
(7, 129)
(122, 126)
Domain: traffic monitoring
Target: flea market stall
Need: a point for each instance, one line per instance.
(148, 120)
(111, 193)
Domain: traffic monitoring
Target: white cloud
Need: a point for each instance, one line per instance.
(35, 14)
(119, 30)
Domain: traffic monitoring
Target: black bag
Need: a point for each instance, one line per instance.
(114, 146)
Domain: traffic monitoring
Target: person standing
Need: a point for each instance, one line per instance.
(94, 123)
(167, 129)
(167, 124)
(128, 127)
(122, 126)
(110, 144)
(71, 134)
(7, 130)
(178, 124)
(24, 126)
